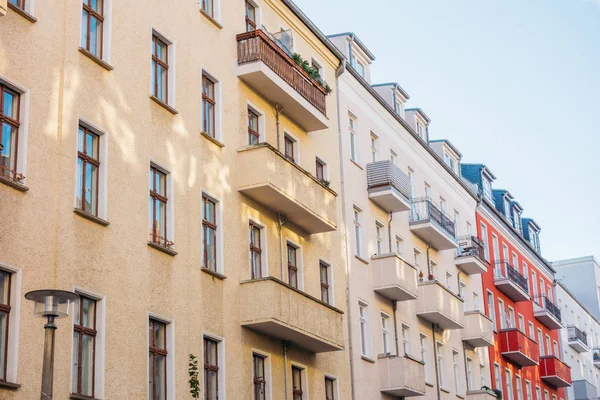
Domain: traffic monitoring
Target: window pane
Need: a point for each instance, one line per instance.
(9, 141)
(94, 35)
(150, 376)
(161, 85)
(212, 385)
(160, 374)
(4, 287)
(209, 243)
(210, 352)
(10, 104)
(91, 177)
(75, 360)
(89, 313)
(80, 137)
(84, 29)
(87, 364)
(3, 339)
(152, 78)
(159, 335)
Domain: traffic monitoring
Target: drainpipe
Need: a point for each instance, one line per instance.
(350, 52)
(394, 97)
(395, 307)
(280, 221)
(338, 73)
(466, 369)
(429, 271)
(278, 110)
(390, 233)
(285, 368)
(435, 363)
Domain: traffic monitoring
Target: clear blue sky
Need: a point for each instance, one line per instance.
(513, 84)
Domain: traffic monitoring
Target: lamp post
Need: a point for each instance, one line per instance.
(50, 304)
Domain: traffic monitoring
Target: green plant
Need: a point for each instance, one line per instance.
(325, 182)
(312, 72)
(193, 372)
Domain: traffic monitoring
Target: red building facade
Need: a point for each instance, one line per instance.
(518, 295)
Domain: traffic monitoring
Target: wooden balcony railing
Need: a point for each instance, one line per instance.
(258, 46)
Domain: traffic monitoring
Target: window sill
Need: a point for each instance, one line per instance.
(368, 359)
(15, 185)
(445, 390)
(91, 217)
(214, 274)
(164, 105)
(460, 396)
(429, 384)
(163, 249)
(22, 13)
(9, 385)
(359, 258)
(212, 139)
(357, 164)
(95, 59)
(78, 397)
(211, 19)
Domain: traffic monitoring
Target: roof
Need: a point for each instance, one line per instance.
(576, 260)
(396, 86)
(357, 41)
(313, 28)
(449, 143)
(531, 221)
(483, 168)
(421, 112)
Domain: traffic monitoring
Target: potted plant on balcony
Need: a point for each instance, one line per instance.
(431, 277)
(312, 72)
(420, 276)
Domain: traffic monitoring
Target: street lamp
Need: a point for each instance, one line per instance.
(50, 304)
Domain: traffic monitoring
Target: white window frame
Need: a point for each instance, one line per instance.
(406, 343)
(24, 99)
(441, 364)
(528, 392)
(170, 364)
(509, 385)
(222, 363)
(385, 333)
(400, 245)
(268, 370)
(336, 385)
(262, 121)
(491, 308)
(484, 237)
(374, 147)
(170, 196)
(14, 325)
(456, 368)
(502, 312)
(354, 142)
(359, 232)
(364, 319)
(171, 75)
(100, 345)
(497, 377)
(218, 102)
(519, 387)
(102, 171)
(264, 254)
(379, 238)
(469, 367)
(219, 236)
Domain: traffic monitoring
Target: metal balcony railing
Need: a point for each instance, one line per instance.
(503, 269)
(386, 173)
(424, 209)
(549, 306)
(470, 245)
(258, 46)
(577, 334)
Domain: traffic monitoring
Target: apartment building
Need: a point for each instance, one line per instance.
(580, 341)
(176, 166)
(416, 323)
(519, 297)
(582, 277)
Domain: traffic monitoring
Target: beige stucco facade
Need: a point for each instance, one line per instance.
(388, 301)
(45, 244)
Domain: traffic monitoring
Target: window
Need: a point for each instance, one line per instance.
(420, 130)
(84, 347)
(10, 123)
(491, 311)
(379, 232)
(487, 189)
(259, 378)
(358, 232)
(297, 388)
(399, 245)
(374, 147)
(502, 312)
(91, 26)
(548, 345)
(208, 106)
(385, 334)
(427, 190)
(360, 68)
(462, 293)
(497, 377)
(209, 233)
(321, 170)
(482, 374)
(531, 330)
(329, 388)
(88, 165)
(469, 374)
(317, 67)
(538, 393)
(18, 3)
(5, 308)
(534, 285)
(406, 339)
(211, 369)
(292, 265)
(476, 305)
(425, 356)
(160, 68)
(255, 251)
(519, 386)
(521, 323)
(325, 286)
(442, 204)
(541, 342)
(515, 261)
(556, 352)
(448, 280)
(456, 368)
(528, 390)
(509, 388)
(394, 157)
(250, 18)
(353, 138)
(157, 360)
(526, 274)
(208, 6)
(158, 207)
(484, 237)
(253, 130)
(440, 364)
(546, 395)
(290, 145)
(450, 161)
(416, 256)
(365, 338)
(511, 317)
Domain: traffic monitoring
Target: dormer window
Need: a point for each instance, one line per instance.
(420, 130)
(450, 161)
(399, 108)
(534, 239)
(516, 220)
(361, 69)
(506, 208)
(487, 188)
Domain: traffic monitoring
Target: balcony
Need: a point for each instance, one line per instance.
(401, 376)
(268, 177)
(584, 390)
(479, 329)
(577, 339)
(268, 68)
(394, 278)
(274, 308)
(388, 186)
(511, 282)
(596, 358)
(439, 305)
(471, 257)
(481, 395)
(518, 348)
(554, 372)
(432, 225)
(547, 313)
